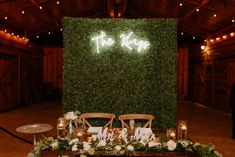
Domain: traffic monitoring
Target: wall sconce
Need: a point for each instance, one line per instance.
(61, 127)
(182, 129)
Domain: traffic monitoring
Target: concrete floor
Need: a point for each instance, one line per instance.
(205, 125)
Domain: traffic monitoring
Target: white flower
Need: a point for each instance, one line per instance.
(171, 145)
(212, 147)
(130, 148)
(196, 144)
(102, 143)
(30, 155)
(153, 144)
(118, 148)
(54, 145)
(74, 148)
(86, 146)
(91, 151)
(73, 141)
(184, 143)
(71, 116)
(218, 154)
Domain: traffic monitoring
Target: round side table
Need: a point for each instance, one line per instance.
(34, 129)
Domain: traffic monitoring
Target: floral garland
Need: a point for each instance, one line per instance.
(107, 143)
(122, 147)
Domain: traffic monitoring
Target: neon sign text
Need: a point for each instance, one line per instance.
(102, 41)
(127, 41)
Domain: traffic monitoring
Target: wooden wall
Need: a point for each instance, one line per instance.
(20, 74)
(211, 74)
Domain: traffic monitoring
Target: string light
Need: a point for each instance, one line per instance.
(221, 38)
(40, 7)
(58, 2)
(5, 17)
(197, 9)
(203, 47)
(22, 11)
(215, 15)
(224, 36)
(11, 36)
(233, 20)
(181, 4)
(49, 33)
(182, 33)
(37, 36)
(193, 37)
(61, 29)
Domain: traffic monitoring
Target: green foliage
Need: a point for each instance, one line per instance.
(117, 80)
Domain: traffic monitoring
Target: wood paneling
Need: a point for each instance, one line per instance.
(20, 74)
(212, 74)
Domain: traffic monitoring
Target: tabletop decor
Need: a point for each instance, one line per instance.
(182, 129)
(109, 144)
(34, 129)
(68, 124)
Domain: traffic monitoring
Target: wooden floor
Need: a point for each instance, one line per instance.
(205, 126)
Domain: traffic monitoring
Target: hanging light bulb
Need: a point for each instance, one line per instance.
(203, 47)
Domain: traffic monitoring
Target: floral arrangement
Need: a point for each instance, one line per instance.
(111, 143)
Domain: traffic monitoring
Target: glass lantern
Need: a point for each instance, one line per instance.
(171, 133)
(61, 127)
(182, 128)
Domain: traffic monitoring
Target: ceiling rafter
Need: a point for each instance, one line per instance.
(198, 6)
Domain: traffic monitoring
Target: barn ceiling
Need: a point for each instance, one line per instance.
(40, 20)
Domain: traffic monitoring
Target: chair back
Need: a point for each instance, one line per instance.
(127, 117)
(86, 116)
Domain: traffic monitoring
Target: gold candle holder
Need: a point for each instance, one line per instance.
(182, 129)
(61, 127)
(171, 133)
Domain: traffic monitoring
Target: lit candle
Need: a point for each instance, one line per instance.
(79, 134)
(183, 127)
(89, 139)
(184, 132)
(61, 125)
(172, 135)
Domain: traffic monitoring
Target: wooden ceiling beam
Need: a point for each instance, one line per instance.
(198, 6)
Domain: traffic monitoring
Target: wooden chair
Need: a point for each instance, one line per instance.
(109, 116)
(127, 117)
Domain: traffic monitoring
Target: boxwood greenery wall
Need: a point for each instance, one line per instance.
(119, 80)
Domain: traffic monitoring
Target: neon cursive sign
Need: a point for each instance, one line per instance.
(127, 41)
